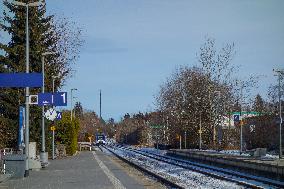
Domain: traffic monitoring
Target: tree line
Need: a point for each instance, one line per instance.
(202, 98)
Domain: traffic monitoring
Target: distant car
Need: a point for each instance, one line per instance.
(100, 139)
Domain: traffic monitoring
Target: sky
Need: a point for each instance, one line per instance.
(132, 46)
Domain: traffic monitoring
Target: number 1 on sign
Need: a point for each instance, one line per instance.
(64, 97)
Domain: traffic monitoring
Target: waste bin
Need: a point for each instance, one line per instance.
(15, 165)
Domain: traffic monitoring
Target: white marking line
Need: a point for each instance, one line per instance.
(116, 183)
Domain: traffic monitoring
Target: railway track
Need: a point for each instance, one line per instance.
(156, 176)
(242, 179)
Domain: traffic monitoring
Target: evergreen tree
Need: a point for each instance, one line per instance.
(45, 34)
(13, 60)
(78, 110)
(258, 104)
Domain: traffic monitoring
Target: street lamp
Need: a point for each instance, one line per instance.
(280, 73)
(27, 114)
(53, 151)
(218, 115)
(43, 154)
(74, 97)
(74, 89)
(53, 78)
(200, 132)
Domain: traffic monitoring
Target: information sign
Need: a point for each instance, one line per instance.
(56, 99)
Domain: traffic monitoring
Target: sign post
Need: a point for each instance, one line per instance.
(53, 129)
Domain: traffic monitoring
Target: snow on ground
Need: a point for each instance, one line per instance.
(185, 178)
(229, 152)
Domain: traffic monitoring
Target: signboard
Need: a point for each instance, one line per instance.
(52, 128)
(60, 99)
(44, 99)
(33, 99)
(59, 115)
(236, 118)
(50, 114)
(21, 143)
(21, 80)
(56, 99)
(156, 126)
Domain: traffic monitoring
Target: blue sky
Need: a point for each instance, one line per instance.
(133, 45)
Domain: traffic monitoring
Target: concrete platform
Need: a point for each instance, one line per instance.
(272, 168)
(85, 170)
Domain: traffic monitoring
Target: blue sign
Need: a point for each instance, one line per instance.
(59, 116)
(236, 118)
(21, 127)
(60, 99)
(21, 80)
(56, 99)
(44, 99)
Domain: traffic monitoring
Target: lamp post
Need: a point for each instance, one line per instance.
(53, 151)
(53, 78)
(74, 89)
(74, 97)
(241, 84)
(280, 73)
(27, 114)
(43, 154)
(218, 112)
(200, 132)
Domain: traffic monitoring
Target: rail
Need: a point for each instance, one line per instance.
(219, 173)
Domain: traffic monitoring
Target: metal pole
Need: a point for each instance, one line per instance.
(53, 157)
(241, 122)
(200, 132)
(280, 112)
(53, 84)
(185, 140)
(100, 104)
(53, 125)
(71, 104)
(27, 116)
(42, 121)
(43, 156)
(179, 141)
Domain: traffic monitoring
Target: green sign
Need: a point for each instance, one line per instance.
(156, 126)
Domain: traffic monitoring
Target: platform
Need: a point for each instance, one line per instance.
(85, 170)
(272, 167)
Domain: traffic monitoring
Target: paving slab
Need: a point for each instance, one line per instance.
(80, 171)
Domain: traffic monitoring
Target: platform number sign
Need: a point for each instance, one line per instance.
(55, 99)
(60, 99)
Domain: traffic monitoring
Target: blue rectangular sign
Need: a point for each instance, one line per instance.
(21, 80)
(44, 99)
(236, 118)
(56, 99)
(59, 116)
(60, 99)
(21, 127)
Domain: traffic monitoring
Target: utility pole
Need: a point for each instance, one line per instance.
(280, 73)
(100, 104)
(241, 122)
(200, 132)
(71, 110)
